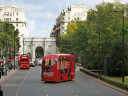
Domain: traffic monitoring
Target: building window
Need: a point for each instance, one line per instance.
(68, 18)
(6, 13)
(68, 13)
(10, 19)
(16, 13)
(10, 14)
(16, 24)
(16, 19)
(7, 19)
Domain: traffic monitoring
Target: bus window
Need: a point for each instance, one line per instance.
(67, 59)
(24, 60)
(58, 59)
(47, 69)
(54, 61)
(49, 63)
(62, 71)
(65, 70)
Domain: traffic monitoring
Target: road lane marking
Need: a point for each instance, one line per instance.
(9, 85)
(45, 90)
(21, 84)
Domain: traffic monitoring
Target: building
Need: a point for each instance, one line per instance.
(9, 13)
(72, 13)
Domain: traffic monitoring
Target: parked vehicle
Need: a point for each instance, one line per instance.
(32, 64)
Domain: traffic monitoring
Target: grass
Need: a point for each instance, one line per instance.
(119, 79)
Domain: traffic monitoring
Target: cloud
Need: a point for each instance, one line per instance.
(108, 0)
(44, 15)
(41, 14)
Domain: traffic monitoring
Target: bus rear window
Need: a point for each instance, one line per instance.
(47, 69)
(24, 60)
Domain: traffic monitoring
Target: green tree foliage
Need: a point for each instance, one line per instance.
(83, 36)
(7, 37)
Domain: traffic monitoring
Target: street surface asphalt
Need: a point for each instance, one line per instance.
(28, 83)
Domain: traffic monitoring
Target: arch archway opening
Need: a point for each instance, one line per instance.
(39, 52)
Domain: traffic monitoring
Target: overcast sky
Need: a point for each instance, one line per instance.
(41, 14)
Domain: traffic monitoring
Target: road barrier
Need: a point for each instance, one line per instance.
(107, 80)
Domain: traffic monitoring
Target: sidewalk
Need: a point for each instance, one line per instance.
(8, 75)
(103, 82)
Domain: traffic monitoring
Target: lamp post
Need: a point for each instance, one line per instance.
(99, 50)
(23, 42)
(14, 50)
(123, 67)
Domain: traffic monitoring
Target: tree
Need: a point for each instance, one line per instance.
(7, 37)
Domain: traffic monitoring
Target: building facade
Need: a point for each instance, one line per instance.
(9, 13)
(74, 12)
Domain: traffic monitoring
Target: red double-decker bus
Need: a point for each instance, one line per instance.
(58, 67)
(24, 62)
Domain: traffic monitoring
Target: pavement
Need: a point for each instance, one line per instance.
(10, 73)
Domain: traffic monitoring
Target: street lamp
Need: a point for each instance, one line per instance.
(122, 46)
(99, 50)
(23, 42)
(14, 50)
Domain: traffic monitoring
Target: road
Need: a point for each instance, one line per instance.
(27, 83)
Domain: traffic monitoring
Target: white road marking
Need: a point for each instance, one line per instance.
(45, 90)
(21, 84)
(9, 85)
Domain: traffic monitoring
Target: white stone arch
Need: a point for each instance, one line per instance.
(37, 47)
(48, 44)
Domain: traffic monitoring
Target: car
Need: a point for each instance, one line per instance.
(32, 64)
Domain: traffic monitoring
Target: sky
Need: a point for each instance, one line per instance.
(41, 14)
